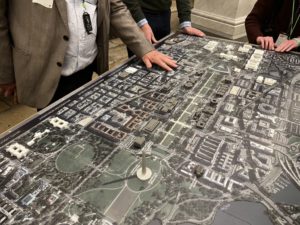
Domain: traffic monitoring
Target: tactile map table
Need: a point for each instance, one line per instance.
(221, 135)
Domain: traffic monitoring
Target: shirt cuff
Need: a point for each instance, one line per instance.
(297, 41)
(185, 24)
(142, 22)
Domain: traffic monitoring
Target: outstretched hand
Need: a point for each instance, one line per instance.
(287, 46)
(193, 31)
(266, 42)
(162, 60)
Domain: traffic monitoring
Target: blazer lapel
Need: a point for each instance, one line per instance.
(62, 8)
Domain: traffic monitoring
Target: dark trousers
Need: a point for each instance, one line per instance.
(160, 22)
(67, 84)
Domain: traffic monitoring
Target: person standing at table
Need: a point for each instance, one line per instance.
(154, 17)
(275, 25)
(48, 48)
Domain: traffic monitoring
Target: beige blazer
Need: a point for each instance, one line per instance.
(33, 42)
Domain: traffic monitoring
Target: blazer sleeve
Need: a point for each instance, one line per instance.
(126, 28)
(255, 20)
(184, 10)
(135, 9)
(6, 61)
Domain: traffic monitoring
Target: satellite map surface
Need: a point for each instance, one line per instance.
(220, 134)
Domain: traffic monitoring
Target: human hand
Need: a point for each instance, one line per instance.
(164, 61)
(266, 42)
(287, 46)
(147, 30)
(8, 89)
(193, 31)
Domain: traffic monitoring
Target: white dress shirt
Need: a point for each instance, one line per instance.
(82, 49)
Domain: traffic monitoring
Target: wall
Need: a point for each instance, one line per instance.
(221, 17)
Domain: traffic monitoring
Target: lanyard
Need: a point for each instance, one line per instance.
(294, 23)
(83, 5)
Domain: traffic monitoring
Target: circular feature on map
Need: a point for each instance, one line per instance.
(75, 158)
(146, 175)
(137, 185)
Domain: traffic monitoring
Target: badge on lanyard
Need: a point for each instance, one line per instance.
(87, 22)
(281, 38)
(294, 21)
(45, 3)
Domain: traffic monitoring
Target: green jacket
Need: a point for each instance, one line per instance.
(136, 8)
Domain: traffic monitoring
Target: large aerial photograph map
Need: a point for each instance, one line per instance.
(214, 142)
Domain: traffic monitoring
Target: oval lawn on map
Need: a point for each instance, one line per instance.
(75, 158)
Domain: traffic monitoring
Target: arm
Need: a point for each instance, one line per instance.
(7, 85)
(255, 20)
(184, 14)
(139, 17)
(184, 10)
(126, 28)
(135, 9)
